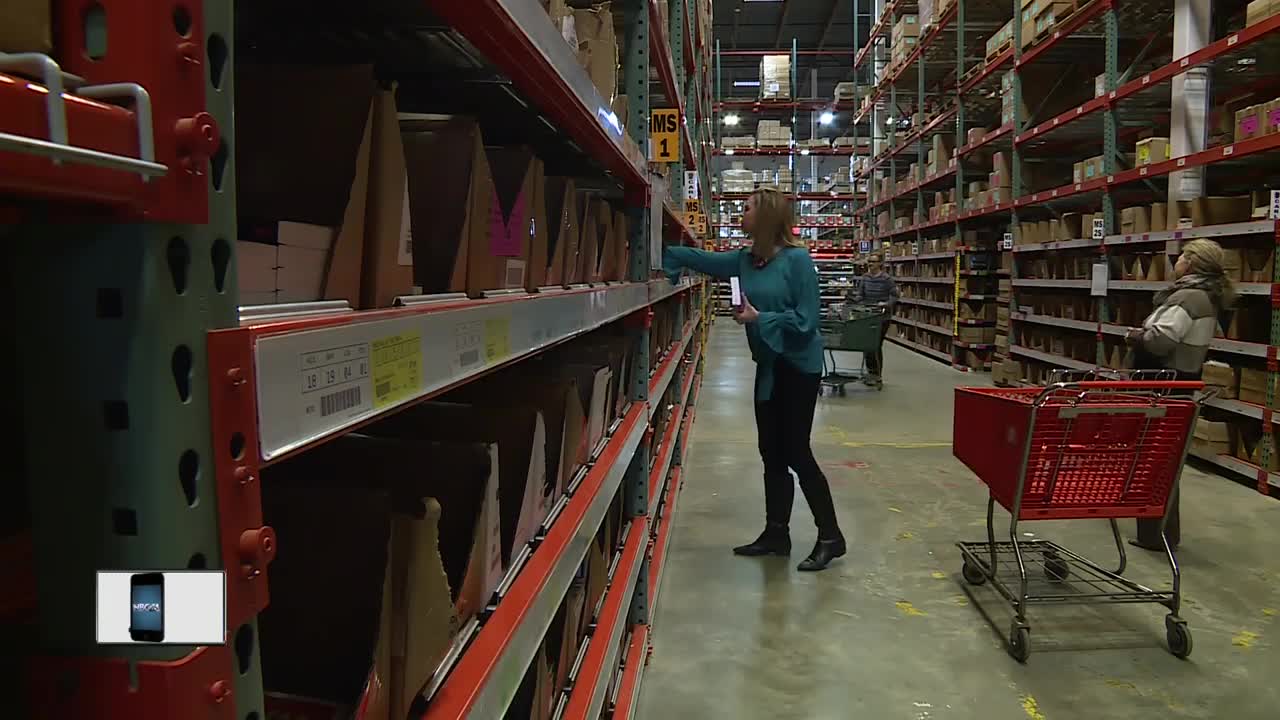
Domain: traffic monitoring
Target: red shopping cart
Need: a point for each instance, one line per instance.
(1074, 450)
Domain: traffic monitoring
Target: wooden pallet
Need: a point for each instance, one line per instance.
(997, 52)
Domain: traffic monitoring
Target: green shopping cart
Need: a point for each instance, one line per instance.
(855, 328)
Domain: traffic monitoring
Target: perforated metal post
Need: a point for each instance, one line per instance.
(118, 458)
(1110, 152)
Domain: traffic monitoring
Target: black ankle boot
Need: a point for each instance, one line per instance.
(775, 540)
(823, 553)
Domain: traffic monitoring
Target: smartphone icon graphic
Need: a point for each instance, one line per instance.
(146, 603)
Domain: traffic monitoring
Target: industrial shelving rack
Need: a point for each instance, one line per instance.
(824, 216)
(953, 81)
(172, 396)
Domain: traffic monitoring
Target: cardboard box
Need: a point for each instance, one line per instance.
(1222, 376)
(26, 26)
(1159, 217)
(563, 235)
(450, 221)
(1220, 210)
(518, 224)
(316, 173)
(1249, 123)
(519, 431)
(256, 272)
(1253, 386)
(301, 259)
(1260, 10)
(598, 48)
(349, 664)
(1152, 150)
(775, 77)
(1258, 265)
(1135, 220)
(597, 236)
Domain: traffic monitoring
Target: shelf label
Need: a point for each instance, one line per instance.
(691, 184)
(397, 368)
(1273, 213)
(334, 382)
(1006, 243)
(497, 339)
(1099, 228)
(664, 135)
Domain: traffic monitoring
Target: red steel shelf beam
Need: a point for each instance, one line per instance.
(1065, 29)
(803, 197)
(886, 18)
(1230, 44)
(494, 29)
(934, 33)
(91, 125)
(783, 152)
(911, 138)
(767, 105)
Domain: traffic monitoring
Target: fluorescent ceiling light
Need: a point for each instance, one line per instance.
(826, 118)
(746, 83)
(804, 151)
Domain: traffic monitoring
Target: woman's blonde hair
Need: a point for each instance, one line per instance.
(771, 226)
(1207, 259)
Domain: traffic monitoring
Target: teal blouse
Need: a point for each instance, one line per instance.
(784, 291)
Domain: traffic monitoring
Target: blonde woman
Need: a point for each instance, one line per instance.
(1176, 336)
(780, 312)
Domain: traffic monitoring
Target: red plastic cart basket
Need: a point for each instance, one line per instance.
(1074, 450)
(1090, 450)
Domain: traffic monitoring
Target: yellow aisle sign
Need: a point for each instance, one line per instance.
(664, 135)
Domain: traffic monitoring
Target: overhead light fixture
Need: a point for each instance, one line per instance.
(746, 83)
(804, 151)
(728, 151)
(826, 118)
(731, 119)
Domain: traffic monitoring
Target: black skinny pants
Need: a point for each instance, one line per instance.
(784, 423)
(875, 360)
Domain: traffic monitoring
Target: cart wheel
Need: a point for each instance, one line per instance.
(1055, 568)
(1019, 642)
(973, 574)
(1178, 636)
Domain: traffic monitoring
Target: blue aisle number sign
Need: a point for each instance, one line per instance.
(664, 135)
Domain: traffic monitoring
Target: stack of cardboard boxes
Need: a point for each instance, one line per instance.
(999, 41)
(373, 221)
(775, 77)
(904, 37)
(738, 142)
(772, 133)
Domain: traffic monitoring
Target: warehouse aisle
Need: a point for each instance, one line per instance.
(891, 631)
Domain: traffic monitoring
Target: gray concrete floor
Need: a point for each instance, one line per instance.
(892, 631)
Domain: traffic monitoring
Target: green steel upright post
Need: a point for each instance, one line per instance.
(791, 148)
(1268, 427)
(635, 79)
(1110, 151)
(118, 458)
(686, 94)
(715, 115)
(854, 209)
(918, 116)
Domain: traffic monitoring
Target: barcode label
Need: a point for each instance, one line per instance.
(383, 389)
(339, 401)
(467, 358)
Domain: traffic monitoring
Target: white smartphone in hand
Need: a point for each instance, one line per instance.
(735, 292)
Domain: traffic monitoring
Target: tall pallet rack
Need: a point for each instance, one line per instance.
(173, 398)
(1096, 80)
(825, 230)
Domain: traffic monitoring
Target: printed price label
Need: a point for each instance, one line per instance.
(397, 368)
(468, 341)
(497, 339)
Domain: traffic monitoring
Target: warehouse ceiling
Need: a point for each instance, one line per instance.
(755, 25)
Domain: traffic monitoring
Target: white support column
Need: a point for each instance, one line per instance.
(1189, 107)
